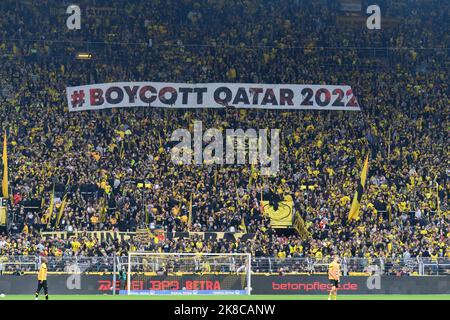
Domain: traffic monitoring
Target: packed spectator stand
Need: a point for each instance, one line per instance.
(118, 160)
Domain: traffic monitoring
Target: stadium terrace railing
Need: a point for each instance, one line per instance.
(268, 265)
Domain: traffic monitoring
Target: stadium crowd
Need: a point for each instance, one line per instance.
(115, 166)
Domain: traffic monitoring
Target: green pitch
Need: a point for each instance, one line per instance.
(220, 297)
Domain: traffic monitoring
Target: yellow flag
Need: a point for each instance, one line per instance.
(356, 204)
(103, 209)
(160, 140)
(190, 213)
(243, 226)
(122, 151)
(61, 209)
(280, 216)
(438, 203)
(389, 212)
(300, 226)
(253, 175)
(5, 190)
(237, 193)
(52, 205)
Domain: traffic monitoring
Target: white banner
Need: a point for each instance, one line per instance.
(211, 95)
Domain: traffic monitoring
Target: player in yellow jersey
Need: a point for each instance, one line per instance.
(42, 279)
(334, 274)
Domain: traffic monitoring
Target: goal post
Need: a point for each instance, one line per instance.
(188, 273)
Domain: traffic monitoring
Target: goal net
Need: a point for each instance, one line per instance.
(188, 273)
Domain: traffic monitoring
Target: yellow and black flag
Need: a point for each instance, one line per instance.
(300, 226)
(5, 190)
(243, 226)
(61, 209)
(49, 215)
(64, 201)
(190, 212)
(280, 212)
(103, 208)
(354, 210)
(252, 176)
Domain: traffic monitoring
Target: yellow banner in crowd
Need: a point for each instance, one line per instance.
(99, 235)
(123, 236)
(280, 217)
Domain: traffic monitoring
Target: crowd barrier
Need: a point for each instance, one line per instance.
(350, 266)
